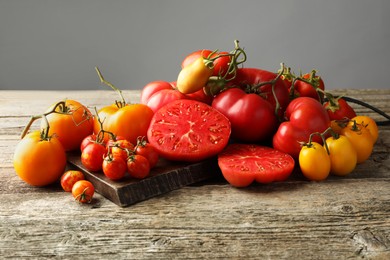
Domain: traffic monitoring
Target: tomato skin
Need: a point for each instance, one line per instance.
(314, 162)
(69, 178)
(138, 166)
(129, 121)
(305, 89)
(194, 76)
(368, 123)
(92, 156)
(83, 191)
(361, 139)
(39, 162)
(252, 77)
(72, 125)
(153, 87)
(339, 111)
(188, 130)
(242, 164)
(147, 150)
(114, 168)
(252, 118)
(342, 154)
(163, 97)
(221, 64)
(306, 116)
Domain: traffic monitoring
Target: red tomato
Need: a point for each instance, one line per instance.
(339, 109)
(129, 121)
(121, 148)
(242, 164)
(69, 178)
(83, 191)
(114, 168)
(153, 87)
(87, 140)
(92, 156)
(252, 80)
(252, 117)
(163, 97)
(138, 166)
(221, 64)
(147, 150)
(306, 116)
(188, 130)
(72, 122)
(306, 89)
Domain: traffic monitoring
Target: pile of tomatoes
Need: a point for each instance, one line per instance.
(260, 124)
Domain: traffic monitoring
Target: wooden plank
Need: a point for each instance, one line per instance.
(165, 177)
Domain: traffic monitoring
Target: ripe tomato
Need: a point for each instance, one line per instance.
(188, 130)
(305, 89)
(87, 140)
(114, 168)
(343, 156)
(314, 162)
(69, 178)
(138, 166)
(252, 117)
(221, 64)
(83, 191)
(92, 156)
(255, 80)
(361, 139)
(153, 87)
(242, 164)
(368, 123)
(163, 97)
(339, 109)
(72, 122)
(147, 150)
(194, 76)
(121, 148)
(38, 160)
(129, 121)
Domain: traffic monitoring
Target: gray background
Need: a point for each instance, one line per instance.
(53, 44)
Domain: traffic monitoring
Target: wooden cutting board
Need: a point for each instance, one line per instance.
(163, 178)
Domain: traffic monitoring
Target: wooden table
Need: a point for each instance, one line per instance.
(336, 219)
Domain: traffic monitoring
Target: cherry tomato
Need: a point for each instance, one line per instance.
(361, 139)
(72, 123)
(121, 148)
(83, 191)
(343, 156)
(339, 109)
(314, 162)
(147, 150)
(305, 89)
(92, 156)
(114, 168)
(138, 166)
(188, 130)
(129, 121)
(69, 178)
(194, 76)
(242, 164)
(87, 140)
(39, 160)
(368, 123)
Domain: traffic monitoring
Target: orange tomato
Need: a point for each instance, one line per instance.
(129, 121)
(39, 161)
(314, 162)
(368, 123)
(71, 123)
(361, 139)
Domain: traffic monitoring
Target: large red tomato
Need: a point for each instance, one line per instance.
(188, 130)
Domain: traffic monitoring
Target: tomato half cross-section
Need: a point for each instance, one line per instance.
(188, 130)
(242, 164)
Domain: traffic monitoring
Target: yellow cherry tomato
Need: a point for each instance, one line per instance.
(194, 76)
(368, 123)
(361, 139)
(342, 154)
(314, 162)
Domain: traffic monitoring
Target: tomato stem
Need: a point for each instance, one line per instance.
(119, 104)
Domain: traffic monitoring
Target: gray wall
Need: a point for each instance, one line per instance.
(53, 44)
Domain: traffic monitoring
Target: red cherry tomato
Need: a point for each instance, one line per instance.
(114, 168)
(69, 178)
(138, 166)
(83, 191)
(147, 150)
(92, 156)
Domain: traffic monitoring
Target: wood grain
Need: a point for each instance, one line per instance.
(340, 218)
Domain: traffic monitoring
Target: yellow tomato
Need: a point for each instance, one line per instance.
(361, 139)
(368, 123)
(342, 154)
(314, 162)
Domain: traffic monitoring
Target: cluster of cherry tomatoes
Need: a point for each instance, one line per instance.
(118, 156)
(74, 181)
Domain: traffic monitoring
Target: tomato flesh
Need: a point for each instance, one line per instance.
(188, 130)
(242, 164)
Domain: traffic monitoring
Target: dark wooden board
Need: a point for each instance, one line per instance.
(165, 177)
